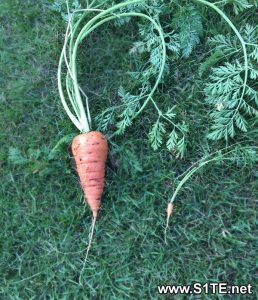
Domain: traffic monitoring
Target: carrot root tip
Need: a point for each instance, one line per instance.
(170, 208)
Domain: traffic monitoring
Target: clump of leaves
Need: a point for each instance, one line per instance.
(174, 32)
(149, 45)
(188, 23)
(34, 161)
(234, 98)
(176, 139)
(60, 6)
(239, 5)
(43, 161)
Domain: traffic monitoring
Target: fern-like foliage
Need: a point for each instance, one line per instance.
(44, 160)
(60, 7)
(105, 119)
(189, 24)
(156, 134)
(240, 5)
(131, 104)
(16, 157)
(244, 156)
(148, 45)
(60, 146)
(233, 100)
(175, 138)
(120, 116)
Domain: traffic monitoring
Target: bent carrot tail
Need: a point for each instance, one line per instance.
(90, 154)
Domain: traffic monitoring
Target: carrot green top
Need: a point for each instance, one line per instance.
(76, 111)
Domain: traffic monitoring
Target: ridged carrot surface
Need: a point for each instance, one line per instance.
(90, 153)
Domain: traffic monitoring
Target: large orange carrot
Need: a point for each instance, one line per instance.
(90, 153)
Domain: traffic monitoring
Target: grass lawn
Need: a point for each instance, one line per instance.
(44, 222)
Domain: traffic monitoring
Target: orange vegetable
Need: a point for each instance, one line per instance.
(90, 153)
